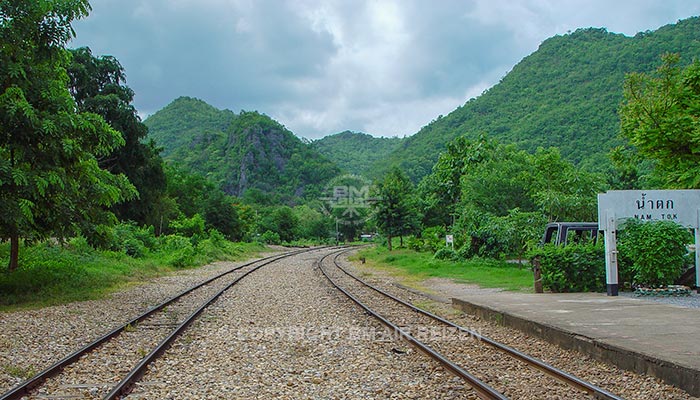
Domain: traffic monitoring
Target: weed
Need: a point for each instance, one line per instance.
(19, 372)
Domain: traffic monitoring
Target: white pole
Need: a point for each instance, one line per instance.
(611, 253)
(697, 259)
(697, 254)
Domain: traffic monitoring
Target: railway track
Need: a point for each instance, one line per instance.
(493, 370)
(136, 343)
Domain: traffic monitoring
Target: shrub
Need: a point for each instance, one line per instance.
(572, 268)
(270, 237)
(414, 243)
(433, 238)
(653, 253)
(446, 254)
(189, 227)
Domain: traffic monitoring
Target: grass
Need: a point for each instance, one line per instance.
(413, 267)
(51, 274)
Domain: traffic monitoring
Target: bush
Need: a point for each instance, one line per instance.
(270, 237)
(414, 243)
(446, 254)
(465, 252)
(190, 227)
(572, 268)
(652, 253)
(433, 238)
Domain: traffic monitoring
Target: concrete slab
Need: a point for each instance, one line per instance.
(633, 333)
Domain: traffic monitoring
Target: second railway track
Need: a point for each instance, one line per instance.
(493, 370)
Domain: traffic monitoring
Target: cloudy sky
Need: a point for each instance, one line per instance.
(384, 67)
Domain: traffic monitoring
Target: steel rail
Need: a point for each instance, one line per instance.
(124, 386)
(483, 390)
(554, 372)
(23, 388)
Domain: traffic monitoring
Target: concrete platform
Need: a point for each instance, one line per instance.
(635, 334)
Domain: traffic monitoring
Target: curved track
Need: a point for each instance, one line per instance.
(457, 348)
(155, 329)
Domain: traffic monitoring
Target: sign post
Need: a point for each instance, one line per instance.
(614, 206)
(450, 240)
(611, 280)
(697, 254)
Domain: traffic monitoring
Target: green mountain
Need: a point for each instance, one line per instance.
(566, 94)
(356, 152)
(239, 151)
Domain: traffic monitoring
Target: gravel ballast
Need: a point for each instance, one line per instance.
(32, 340)
(282, 332)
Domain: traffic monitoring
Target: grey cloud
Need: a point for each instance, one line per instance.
(385, 67)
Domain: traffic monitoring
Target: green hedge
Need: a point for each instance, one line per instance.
(572, 268)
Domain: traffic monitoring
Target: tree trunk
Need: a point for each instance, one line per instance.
(401, 241)
(14, 253)
(388, 243)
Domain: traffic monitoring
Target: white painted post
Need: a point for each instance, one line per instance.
(611, 253)
(697, 254)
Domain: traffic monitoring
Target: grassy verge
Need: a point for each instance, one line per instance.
(51, 274)
(412, 267)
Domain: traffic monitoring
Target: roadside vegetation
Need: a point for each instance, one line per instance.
(51, 273)
(411, 268)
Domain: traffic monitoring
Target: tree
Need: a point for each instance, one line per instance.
(50, 180)
(221, 214)
(441, 191)
(561, 191)
(283, 221)
(660, 118)
(97, 85)
(394, 207)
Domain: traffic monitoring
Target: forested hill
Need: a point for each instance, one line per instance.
(356, 152)
(566, 94)
(239, 151)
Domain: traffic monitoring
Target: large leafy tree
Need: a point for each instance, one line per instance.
(50, 182)
(395, 210)
(97, 85)
(660, 118)
(441, 191)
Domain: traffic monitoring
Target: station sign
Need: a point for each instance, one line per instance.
(679, 206)
(616, 206)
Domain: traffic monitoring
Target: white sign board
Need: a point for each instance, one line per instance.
(680, 206)
(449, 239)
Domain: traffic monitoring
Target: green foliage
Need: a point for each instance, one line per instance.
(50, 273)
(564, 95)
(572, 268)
(96, 84)
(433, 238)
(51, 184)
(502, 214)
(659, 117)
(412, 268)
(221, 214)
(189, 227)
(354, 152)
(270, 237)
(313, 224)
(446, 253)
(395, 207)
(282, 221)
(652, 253)
(239, 152)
